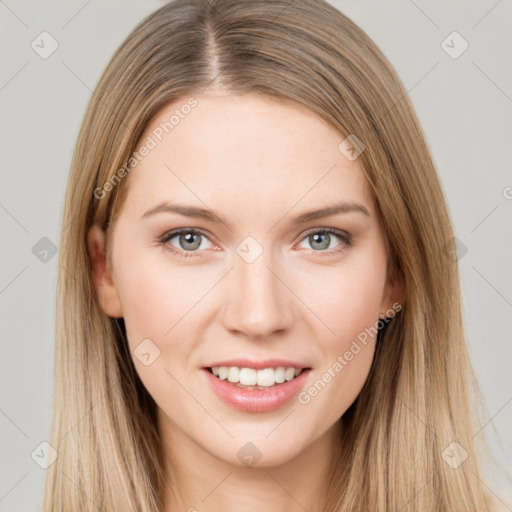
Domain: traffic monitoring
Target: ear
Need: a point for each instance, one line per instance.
(103, 282)
(393, 292)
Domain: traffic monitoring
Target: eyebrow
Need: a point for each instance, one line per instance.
(212, 216)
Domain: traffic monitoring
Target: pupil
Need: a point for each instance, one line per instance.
(189, 238)
(316, 237)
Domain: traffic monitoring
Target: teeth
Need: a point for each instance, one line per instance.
(251, 377)
(264, 377)
(279, 375)
(234, 374)
(289, 373)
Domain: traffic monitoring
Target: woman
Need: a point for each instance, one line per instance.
(307, 350)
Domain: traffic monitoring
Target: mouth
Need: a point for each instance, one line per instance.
(256, 379)
(256, 390)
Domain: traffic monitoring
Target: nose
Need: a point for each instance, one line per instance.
(258, 300)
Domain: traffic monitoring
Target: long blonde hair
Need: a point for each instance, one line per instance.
(421, 393)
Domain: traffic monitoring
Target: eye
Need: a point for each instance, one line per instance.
(321, 239)
(188, 241)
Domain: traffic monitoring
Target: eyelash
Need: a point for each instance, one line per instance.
(343, 236)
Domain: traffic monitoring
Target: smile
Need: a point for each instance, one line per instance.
(255, 379)
(262, 389)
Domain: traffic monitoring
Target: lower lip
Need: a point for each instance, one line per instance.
(255, 400)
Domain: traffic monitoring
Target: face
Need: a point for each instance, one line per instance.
(252, 282)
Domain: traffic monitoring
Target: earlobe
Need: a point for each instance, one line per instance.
(106, 290)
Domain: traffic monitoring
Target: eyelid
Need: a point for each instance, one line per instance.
(345, 237)
(342, 235)
(176, 232)
(326, 229)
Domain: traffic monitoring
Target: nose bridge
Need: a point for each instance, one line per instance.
(258, 303)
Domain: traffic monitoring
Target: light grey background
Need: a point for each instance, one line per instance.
(464, 105)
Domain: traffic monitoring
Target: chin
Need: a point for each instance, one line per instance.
(259, 453)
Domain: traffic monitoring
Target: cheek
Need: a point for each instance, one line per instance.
(348, 306)
(158, 307)
(346, 300)
(156, 297)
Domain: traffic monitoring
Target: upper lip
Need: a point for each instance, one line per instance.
(258, 365)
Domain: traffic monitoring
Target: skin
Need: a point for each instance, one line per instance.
(258, 163)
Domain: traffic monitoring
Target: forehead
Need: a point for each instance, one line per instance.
(243, 153)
